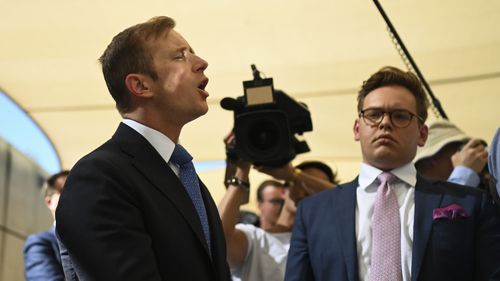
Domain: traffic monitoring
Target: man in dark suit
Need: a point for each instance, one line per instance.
(390, 223)
(42, 261)
(130, 211)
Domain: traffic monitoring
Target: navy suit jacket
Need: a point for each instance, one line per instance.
(323, 243)
(42, 261)
(125, 215)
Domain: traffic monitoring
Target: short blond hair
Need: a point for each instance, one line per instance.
(127, 53)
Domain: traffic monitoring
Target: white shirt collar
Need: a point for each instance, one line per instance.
(368, 174)
(159, 141)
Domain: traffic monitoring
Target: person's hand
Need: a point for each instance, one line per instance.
(284, 172)
(242, 167)
(473, 155)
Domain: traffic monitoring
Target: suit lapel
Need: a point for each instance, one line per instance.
(345, 217)
(55, 245)
(149, 162)
(427, 199)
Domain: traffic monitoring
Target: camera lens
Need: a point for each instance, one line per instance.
(264, 135)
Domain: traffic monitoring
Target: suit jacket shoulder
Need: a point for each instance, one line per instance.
(323, 244)
(41, 257)
(124, 215)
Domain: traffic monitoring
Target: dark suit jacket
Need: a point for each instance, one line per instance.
(124, 215)
(323, 245)
(42, 261)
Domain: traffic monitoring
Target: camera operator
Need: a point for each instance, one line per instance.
(270, 199)
(450, 155)
(255, 253)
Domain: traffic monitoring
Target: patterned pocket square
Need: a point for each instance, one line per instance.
(451, 212)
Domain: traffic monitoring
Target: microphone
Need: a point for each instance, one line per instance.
(255, 72)
(230, 104)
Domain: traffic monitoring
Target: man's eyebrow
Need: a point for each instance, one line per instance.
(183, 48)
(383, 108)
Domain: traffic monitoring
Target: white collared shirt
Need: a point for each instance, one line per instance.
(159, 141)
(365, 199)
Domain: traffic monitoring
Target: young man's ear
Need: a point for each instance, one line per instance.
(138, 85)
(423, 134)
(355, 130)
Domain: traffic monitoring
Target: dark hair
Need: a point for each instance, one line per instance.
(128, 53)
(263, 185)
(49, 188)
(392, 76)
(320, 166)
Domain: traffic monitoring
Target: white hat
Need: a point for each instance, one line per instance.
(441, 133)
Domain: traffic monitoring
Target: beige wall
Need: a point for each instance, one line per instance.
(22, 210)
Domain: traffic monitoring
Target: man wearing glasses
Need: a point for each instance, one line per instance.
(270, 199)
(390, 223)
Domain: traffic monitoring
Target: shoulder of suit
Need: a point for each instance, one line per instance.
(325, 195)
(447, 187)
(39, 236)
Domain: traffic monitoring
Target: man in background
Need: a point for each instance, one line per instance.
(449, 154)
(255, 253)
(42, 261)
(270, 199)
(494, 164)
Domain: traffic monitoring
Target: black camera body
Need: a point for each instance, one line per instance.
(266, 122)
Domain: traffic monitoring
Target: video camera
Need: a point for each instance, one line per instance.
(265, 123)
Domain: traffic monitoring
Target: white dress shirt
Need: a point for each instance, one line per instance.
(159, 141)
(365, 199)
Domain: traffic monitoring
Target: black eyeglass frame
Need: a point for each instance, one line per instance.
(390, 113)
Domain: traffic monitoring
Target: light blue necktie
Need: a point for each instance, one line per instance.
(190, 181)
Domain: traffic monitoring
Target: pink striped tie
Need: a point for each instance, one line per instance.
(386, 233)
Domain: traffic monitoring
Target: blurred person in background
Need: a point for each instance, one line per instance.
(270, 199)
(450, 155)
(494, 165)
(42, 261)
